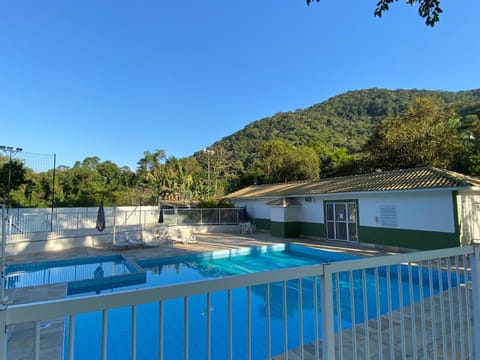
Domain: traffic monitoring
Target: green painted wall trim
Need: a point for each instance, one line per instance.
(285, 229)
(262, 224)
(313, 229)
(413, 239)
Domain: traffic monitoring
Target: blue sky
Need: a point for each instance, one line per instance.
(113, 78)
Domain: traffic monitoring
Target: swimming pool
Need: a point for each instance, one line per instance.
(174, 270)
(80, 275)
(267, 308)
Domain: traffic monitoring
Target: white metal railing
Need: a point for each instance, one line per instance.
(21, 224)
(70, 308)
(28, 221)
(444, 321)
(422, 304)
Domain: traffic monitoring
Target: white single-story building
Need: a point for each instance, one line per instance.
(421, 208)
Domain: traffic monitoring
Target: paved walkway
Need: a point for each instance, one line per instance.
(20, 343)
(206, 242)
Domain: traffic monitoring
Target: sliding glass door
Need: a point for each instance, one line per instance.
(341, 220)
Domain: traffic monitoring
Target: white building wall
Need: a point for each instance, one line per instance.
(308, 211)
(277, 213)
(428, 211)
(311, 211)
(414, 210)
(256, 208)
(293, 213)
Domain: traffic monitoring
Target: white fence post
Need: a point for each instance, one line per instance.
(475, 264)
(326, 306)
(3, 333)
(3, 258)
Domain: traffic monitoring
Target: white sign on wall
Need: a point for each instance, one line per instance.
(388, 216)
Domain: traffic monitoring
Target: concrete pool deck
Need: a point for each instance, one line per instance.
(20, 337)
(206, 242)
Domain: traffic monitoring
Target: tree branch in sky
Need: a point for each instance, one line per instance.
(428, 9)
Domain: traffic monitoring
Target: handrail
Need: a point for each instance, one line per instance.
(463, 269)
(64, 307)
(410, 257)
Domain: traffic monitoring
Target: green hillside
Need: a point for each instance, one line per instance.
(345, 120)
(359, 131)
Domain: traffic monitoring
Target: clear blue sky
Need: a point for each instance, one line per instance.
(113, 78)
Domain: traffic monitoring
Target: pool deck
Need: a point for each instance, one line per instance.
(20, 337)
(205, 242)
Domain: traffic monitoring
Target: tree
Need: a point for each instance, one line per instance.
(272, 156)
(427, 9)
(304, 164)
(150, 172)
(467, 159)
(12, 172)
(90, 162)
(332, 162)
(279, 161)
(112, 186)
(36, 191)
(424, 135)
(86, 187)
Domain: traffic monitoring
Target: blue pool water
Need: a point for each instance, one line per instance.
(161, 272)
(80, 275)
(233, 262)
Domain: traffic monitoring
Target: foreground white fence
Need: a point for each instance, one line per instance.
(444, 325)
(415, 305)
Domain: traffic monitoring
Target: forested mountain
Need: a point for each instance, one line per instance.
(358, 131)
(345, 120)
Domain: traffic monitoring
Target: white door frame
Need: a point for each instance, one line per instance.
(341, 220)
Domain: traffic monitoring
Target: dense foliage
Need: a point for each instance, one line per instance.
(427, 9)
(359, 131)
(425, 134)
(337, 130)
(279, 161)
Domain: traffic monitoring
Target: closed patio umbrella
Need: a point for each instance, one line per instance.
(160, 218)
(101, 218)
(98, 273)
(244, 214)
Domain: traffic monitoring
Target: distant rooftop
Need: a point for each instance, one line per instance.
(407, 179)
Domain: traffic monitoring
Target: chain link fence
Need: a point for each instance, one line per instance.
(26, 179)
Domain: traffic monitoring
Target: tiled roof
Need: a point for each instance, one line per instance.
(408, 179)
(284, 202)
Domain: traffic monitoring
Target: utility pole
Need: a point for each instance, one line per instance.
(11, 152)
(209, 154)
